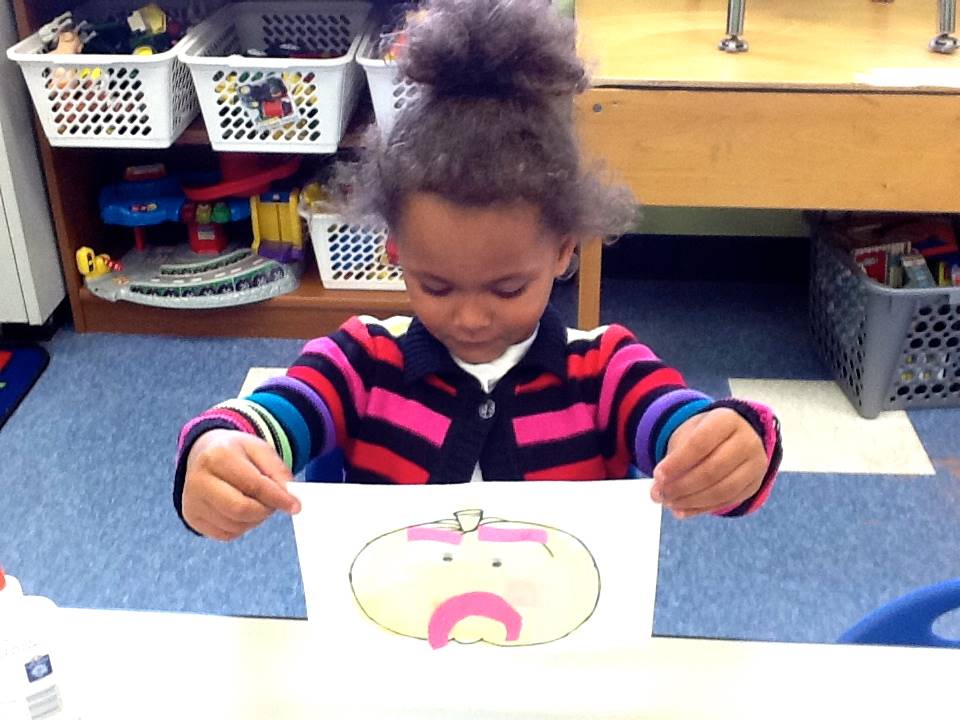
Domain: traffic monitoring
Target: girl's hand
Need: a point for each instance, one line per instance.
(714, 461)
(234, 482)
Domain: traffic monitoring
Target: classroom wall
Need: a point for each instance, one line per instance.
(722, 222)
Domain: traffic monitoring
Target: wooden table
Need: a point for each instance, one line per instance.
(117, 665)
(837, 105)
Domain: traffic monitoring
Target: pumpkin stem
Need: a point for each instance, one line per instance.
(468, 520)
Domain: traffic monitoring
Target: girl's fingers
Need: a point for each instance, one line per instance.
(733, 490)
(720, 464)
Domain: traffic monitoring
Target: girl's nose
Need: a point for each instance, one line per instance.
(472, 316)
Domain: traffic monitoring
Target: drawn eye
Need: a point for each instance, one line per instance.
(447, 557)
(496, 563)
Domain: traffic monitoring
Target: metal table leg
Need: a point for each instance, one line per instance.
(946, 41)
(733, 42)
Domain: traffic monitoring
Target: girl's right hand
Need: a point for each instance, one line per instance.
(234, 482)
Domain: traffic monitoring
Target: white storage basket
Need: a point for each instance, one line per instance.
(390, 91)
(320, 94)
(352, 257)
(113, 101)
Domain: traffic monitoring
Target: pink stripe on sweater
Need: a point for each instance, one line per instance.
(769, 445)
(234, 418)
(557, 425)
(618, 365)
(329, 349)
(409, 415)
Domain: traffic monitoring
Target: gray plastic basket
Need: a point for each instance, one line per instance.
(888, 349)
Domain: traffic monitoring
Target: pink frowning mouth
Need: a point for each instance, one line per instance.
(472, 604)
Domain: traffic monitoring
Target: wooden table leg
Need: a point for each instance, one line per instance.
(588, 284)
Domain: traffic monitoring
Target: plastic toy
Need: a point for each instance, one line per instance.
(92, 265)
(146, 197)
(68, 43)
(241, 177)
(149, 20)
(209, 272)
(394, 36)
(176, 277)
(277, 230)
(268, 102)
(144, 32)
(50, 33)
(390, 254)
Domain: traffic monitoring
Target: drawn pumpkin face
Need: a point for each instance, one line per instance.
(470, 579)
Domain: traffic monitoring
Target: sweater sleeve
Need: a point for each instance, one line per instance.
(304, 414)
(643, 401)
(766, 425)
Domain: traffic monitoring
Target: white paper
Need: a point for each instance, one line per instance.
(615, 521)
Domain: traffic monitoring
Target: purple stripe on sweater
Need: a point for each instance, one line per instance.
(316, 402)
(650, 417)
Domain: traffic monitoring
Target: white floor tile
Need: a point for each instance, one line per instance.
(823, 433)
(257, 375)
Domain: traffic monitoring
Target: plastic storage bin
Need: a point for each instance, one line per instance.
(278, 104)
(115, 101)
(390, 91)
(352, 257)
(889, 349)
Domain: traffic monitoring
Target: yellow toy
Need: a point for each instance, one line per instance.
(277, 231)
(473, 579)
(150, 20)
(93, 266)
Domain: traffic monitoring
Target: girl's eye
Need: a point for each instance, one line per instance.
(510, 292)
(435, 291)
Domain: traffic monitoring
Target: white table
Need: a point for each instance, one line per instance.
(157, 665)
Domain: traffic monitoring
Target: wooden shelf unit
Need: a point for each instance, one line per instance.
(74, 178)
(838, 105)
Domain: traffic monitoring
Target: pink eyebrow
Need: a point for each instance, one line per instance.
(445, 536)
(506, 535)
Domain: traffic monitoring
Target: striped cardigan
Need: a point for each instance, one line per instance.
(578, 406)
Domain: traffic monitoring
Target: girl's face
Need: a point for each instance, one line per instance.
(478, 278)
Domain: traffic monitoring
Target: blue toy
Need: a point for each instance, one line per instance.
(909, 620)
(146, 197)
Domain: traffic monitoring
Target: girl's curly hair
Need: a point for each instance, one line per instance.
(493, 121)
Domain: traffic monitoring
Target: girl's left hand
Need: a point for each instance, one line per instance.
(714, 461)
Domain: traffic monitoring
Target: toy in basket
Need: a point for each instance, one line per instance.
(278, 76)
(390, 91)
(214, 270)
(108, 75)
(349, 256)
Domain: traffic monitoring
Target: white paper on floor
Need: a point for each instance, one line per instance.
(469, 596)
(823, 433)
(256, 376)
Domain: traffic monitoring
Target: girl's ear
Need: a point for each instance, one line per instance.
(563, 257)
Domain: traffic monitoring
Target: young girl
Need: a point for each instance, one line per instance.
(482, 186)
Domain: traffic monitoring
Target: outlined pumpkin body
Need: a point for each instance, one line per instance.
(473, 579)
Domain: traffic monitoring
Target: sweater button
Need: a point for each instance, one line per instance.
(487, 409)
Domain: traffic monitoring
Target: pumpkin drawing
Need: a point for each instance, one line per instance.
(473, 579)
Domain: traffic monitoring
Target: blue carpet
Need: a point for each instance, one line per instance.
(87, 518)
